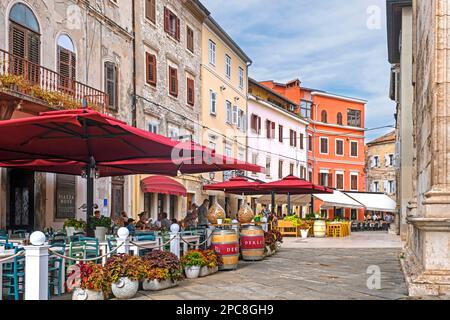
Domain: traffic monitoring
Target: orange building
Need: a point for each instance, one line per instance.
(335, 141)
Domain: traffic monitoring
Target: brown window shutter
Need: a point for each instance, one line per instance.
(330, 180)
(166, 20)
(259, 125)
(273, 130)
(173, 81)
(190, 92)
(150, 10)
(177, 32)
(66, 69)
(176, 82)
(301, 141)
(151, 68)
(253, 123)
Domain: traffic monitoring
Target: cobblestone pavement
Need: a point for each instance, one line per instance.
(298, 273)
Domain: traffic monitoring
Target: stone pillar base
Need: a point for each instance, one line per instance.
(421, 283)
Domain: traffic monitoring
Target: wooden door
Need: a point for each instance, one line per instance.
(21, 208)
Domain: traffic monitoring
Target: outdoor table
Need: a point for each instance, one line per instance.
(3, 255)
(146, 244)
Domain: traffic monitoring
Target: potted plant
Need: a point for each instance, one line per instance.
(94, 283)
(192, 261)
(303, 226)
(278, 238)
(162, 270)
(270, 243)
(100, 227)
(124, 272)
(73, 225)
(211, 262)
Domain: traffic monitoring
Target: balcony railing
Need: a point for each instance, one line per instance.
(22, 76)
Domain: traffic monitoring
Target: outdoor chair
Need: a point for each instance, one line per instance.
(58, 238)
(14, 277)
(91, 247)
(55, 267)
(145, 237)
(76, 236)
(3, 232)
(3, 239)
(20, 233)
(112, 243)
(76, 250)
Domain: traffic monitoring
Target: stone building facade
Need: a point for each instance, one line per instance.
(427, 252)
(168, 94)
(81, 42)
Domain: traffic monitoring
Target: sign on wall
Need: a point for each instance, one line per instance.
(65, 196)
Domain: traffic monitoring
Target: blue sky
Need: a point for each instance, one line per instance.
(327, 44)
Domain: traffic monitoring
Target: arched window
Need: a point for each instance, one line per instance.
(66, 62)
(339, 119)
(24, 39)
(324, 116)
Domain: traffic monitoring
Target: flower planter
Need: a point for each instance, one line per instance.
(268, 251)
(278, 245)
(85, 294)
(304, 233)
(125, 288)
(192, 272)
(70, 231)
(213, 270)
(100, 233)
(204, 271)
(156, 285)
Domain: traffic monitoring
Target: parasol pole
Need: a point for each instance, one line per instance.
(273, 204)
(289, 203)
(90, 173)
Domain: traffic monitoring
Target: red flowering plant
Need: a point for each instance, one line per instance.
(270, 240)
(94, 277)
(161, 265)
(277, 235)
(212, 259)
(123, 265)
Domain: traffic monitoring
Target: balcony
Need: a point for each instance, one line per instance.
(34, 88)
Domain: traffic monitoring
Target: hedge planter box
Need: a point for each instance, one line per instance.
(85, 294)
(156, 285)
(192, 272)
(125, 288)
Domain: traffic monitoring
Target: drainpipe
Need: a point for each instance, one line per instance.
(134, 108)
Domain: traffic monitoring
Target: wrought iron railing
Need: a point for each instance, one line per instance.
(22, 76)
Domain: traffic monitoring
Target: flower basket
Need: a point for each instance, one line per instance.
(124, 272)
(162, 270)
(192, 262)
(86, 294)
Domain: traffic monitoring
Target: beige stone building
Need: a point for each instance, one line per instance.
(79, 48)
(168, 94)
(427, 252)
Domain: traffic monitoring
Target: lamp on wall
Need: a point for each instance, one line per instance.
(223, 88)
(212, 175)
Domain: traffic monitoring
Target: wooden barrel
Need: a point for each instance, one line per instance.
(225, 242)
(252, 243)
(320, 228)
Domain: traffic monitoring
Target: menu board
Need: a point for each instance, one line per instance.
(65, 196)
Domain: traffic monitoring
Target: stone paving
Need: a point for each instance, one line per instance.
(312, 269)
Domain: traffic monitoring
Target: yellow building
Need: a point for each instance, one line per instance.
(224, 74)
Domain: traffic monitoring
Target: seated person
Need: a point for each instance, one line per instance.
(142, 222)
(130, 226)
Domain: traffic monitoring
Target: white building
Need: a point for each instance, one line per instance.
(276, 135)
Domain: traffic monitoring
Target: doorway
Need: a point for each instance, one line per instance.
(21, 208)
(117, 196)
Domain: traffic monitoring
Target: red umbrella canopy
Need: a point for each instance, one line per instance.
(237, 185)
(78, 135)
(294, 185)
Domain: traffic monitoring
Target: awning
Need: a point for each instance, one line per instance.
(296, 200)
(374, 201)
(338, 199)
(162, 184)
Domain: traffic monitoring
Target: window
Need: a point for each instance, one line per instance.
(280, 169)
(66, 63)
(292, 138)
(212, 102)
(354, 181)
(302, 137)
(302, 172)
(228, 66)
(212, 144)
(174, 133)
(391, 187)
(255, 124)
(354, 118)
(173, 81)
(227, 175)
(339, 119)
(305, 108)
(354, 149)
(324, 145)
(190, 91)
(323, 116)
(280, 133)
(375, 186)
(190, 39)
(111, 84)
(310, 176)
(390, 160)
(235, 114)
(340, 180)
(153, 126)
(354, 214)
(375, 161)
(212, 52)
(24, 41)
(325, 179)
(310, 143)
(339, 147)
(291, 169)
(270, 129)
(254, 160)
(150, 64)
(240, 122)
(171, 24)
(241, 78)
(150, 10)
(268, 166)
(229, 112)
